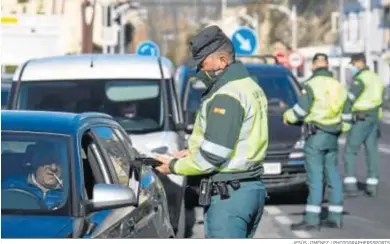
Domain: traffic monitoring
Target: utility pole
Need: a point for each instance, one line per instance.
(341, 41)
(367, 17)
(294, 33)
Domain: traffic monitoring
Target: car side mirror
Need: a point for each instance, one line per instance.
(111, 196)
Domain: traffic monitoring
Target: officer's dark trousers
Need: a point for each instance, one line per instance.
(238, 216)
(362, 133)
(321, 151)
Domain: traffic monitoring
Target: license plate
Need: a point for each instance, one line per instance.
(272, 168)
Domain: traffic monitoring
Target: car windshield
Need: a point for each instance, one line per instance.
(34, 172)
(136, 104)
(281, 91)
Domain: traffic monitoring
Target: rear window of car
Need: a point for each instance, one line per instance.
(277, 86)
(281, 89)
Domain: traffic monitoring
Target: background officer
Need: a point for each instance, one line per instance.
(363, 110)
(320, 107)
(228, 142)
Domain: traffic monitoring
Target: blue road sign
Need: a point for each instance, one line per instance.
(148, 48)
(245, 41)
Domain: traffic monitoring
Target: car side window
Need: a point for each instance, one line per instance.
(131, 151)
(94, 170)
(116, 153)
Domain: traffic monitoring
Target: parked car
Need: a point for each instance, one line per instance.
(284, 161)
(76, 175)
(6, 81)
(5, 90)
(386, 102)
(138, 91)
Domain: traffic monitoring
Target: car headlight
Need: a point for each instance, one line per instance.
(299, 144)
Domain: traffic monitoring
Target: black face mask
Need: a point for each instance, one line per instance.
(207, 77)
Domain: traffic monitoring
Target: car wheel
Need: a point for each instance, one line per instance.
(181, 225)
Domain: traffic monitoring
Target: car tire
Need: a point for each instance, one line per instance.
(181, 225)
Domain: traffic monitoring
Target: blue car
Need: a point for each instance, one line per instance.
(66, 175)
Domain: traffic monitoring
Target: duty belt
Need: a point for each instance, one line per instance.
(358, 116)
(209, 188)
(309, 130)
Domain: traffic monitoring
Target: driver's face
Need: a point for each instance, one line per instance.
(48, 174)
(129, 110)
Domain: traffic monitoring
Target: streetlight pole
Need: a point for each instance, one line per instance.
(223, 8)
(87, 18)
(292, 14)
(367, 17)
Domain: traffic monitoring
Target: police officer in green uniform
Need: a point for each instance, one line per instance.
(363, 110)
(319, 108)
(228, 142)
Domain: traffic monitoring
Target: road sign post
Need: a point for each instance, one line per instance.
(148, 48)
(245, 41)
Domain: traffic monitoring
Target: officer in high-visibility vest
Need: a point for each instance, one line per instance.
(363, 110)
(319, 108)
(228, 142)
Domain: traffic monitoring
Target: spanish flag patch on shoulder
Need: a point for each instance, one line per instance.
(219, 110)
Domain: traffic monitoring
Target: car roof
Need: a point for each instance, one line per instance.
(265, 69)
(46, 121)
(95, 66)
(268, 69)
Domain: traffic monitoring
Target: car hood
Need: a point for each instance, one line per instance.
(282, 136)
(146, 142)
(18, 226)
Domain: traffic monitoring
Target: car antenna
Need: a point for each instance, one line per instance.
(91, 64)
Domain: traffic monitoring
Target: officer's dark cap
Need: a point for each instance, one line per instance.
(207, 41)
(358, 57)
(319, 56)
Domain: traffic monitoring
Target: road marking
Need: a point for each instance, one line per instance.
(278, 216)
(301, 234)
(283, 220)
(386, 117)
(383, 148)
(271, 210)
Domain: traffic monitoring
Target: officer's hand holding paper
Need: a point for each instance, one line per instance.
(164, 160)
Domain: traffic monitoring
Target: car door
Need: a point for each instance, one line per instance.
(152, 189)
(141, 221)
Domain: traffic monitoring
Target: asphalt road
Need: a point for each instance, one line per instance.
(364, 217)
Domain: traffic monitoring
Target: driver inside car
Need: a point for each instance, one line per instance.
(45, 181)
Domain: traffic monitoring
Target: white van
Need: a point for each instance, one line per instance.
(138, 91)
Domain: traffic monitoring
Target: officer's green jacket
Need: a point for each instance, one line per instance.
(365, 95)
(321, 102)
(230, 134)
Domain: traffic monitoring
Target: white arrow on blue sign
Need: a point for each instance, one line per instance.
(245, 41)
(148, 48)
